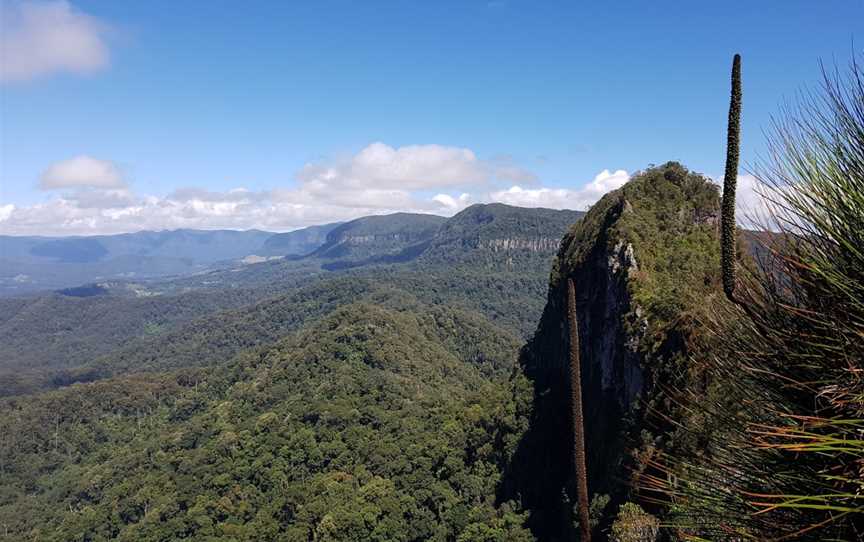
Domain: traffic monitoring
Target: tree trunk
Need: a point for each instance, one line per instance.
(576, 414)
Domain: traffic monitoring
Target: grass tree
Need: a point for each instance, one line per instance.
(579, 464)
(783, 456)
(733, 143)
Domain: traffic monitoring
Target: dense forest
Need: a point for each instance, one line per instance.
(346, 370)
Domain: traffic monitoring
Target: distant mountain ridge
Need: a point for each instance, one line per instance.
(465, 258)
(44, 263)
(476, 234)
(378, 235)
(297, 242)
(196, 245)
(497, 233)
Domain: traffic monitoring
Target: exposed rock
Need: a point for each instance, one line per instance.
(537, 244)
(622, 258)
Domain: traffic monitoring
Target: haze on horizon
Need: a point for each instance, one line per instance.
(119, 117)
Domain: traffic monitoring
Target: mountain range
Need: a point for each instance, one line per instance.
(377, 387)
(77, 325)
(409, 378)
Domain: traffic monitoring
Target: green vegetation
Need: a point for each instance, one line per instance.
(366, 426)
(371, 391)
(645, 259)
(56, 340)
(373, 403)
(784, 400)
(47, 339)
(633, 525)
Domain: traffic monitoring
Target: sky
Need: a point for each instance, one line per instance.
(125, 116)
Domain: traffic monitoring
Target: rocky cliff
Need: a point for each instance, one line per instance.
(644, 259)
(501, 237)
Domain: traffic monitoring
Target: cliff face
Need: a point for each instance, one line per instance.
(500, 237)
(492, 237)
(643, 260)
(536, 244)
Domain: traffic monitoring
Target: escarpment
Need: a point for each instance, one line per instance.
(536, 244)
(644, 260)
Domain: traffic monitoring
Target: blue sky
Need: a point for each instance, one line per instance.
(253, 114)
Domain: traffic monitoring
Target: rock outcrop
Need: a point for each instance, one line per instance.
(643, 259)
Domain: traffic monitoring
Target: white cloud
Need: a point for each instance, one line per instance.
(753, 210)
(538, 197)
(267, 210)
(382, 167)
(602, 183)
(756, 205)
(82, 171)
(453, 204)
(94, 198)
(42, 38)
(6, 211)
(90, 195)
(563, 198)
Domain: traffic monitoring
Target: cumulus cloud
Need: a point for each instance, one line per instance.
(90, 195)
(451, 203)
(42, 38)
(382, 167)
(6, 211)
(563, 198)
(82, 171)
(753, 207)
(94, 198)
(268, 210)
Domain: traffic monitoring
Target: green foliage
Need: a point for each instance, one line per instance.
(368, 404)
(364, 426)
(785, 399)
(634, 525)
(645, 259)
(206, 319)
(673, 231)
(597, 510)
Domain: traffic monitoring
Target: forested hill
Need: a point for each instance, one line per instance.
(644, 264)
(390, 400)
(277, 401)
(387, 401)
(54, 340)
(372, 424)
(497, 235)
(370, 404)
(373, 236)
